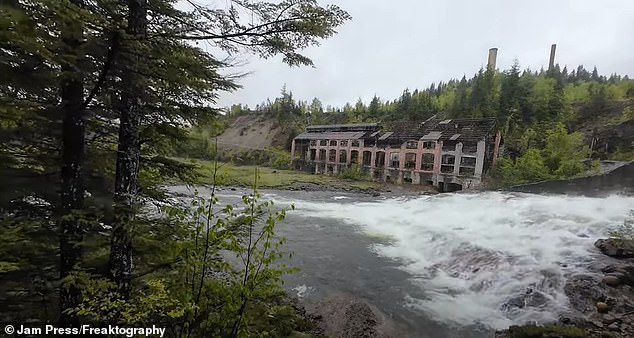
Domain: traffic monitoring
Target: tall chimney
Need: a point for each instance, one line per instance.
(551, 64)
(493, 56)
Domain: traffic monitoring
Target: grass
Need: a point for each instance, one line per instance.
(244, 176)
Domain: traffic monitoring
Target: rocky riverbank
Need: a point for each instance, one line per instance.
(388, 190)
(602, 301)
(345, 316)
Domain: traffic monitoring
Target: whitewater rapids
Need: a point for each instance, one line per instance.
(490, 259)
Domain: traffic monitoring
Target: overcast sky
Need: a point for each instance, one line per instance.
(390, 45)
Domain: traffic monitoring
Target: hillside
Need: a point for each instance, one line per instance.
(252, 131)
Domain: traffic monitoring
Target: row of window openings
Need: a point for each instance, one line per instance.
(467, 164)
(333, 143)
(447, 146)
(344, 143)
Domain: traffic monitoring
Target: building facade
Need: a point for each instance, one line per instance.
(451, 154)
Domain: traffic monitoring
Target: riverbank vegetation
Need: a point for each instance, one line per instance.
(93, 96)
(232, 175)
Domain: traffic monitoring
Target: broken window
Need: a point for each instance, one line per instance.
(448, 159)
(343, 156)
(467, 171)
(313, 143)
(407, 177)
(395, 160)
(343, 143)
(446, 169)
(411, 144)
(367, 158)
(355, 143)
(449, 145)
(379, 162)
(354, 156)
(313, 154)
(333, 143)
(410, 161)
(323, 143)
(428, 162)
(322, 154)
(429, 145)
(467, 161)
(447, 163)
(332, 155)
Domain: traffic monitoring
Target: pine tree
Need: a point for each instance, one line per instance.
(374, 108)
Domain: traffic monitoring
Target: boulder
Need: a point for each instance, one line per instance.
(348, 317)
(613, 281)
(602, 307)
(609, 319)
(615, 247)
(624, 272)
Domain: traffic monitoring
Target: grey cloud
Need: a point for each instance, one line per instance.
(392, 45)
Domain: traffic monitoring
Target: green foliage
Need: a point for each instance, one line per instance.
(529, 167)
(535, 331)
(201, 292)
(352, 172)
(561, 155)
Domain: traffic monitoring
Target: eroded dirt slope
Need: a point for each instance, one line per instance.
(252, 132)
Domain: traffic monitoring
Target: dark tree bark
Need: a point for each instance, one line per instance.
(127, 167)
(71, 232)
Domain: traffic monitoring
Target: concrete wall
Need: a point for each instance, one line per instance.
(620, 180)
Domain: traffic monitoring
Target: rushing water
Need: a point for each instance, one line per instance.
(448, 264)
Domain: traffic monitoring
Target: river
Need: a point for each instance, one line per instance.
(449, 265)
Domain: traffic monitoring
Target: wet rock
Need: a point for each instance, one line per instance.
(546, 331)
(602, 307)
(625, 272)
(615, 247)
(515, 302)
(597, 323)
(584, 291)
(609, 319)
(347, 317)
(612, 281)
(614, 327)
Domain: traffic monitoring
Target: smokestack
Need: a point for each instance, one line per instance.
(551, 64)
(493, 56)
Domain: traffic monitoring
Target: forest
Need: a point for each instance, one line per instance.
(550, 119)
(93, 96)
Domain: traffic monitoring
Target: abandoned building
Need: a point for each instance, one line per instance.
(451, 154)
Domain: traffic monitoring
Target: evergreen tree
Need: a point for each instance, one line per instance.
(374, 108)
(509, 95)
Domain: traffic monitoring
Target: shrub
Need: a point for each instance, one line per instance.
(352, 172)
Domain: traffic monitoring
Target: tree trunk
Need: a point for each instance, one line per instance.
(127, 167)
(71, 232)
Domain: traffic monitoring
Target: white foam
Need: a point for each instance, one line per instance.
(470, 253)
(302, 290)
(337, 198)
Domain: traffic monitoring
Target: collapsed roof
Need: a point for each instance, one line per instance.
(433, 129)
